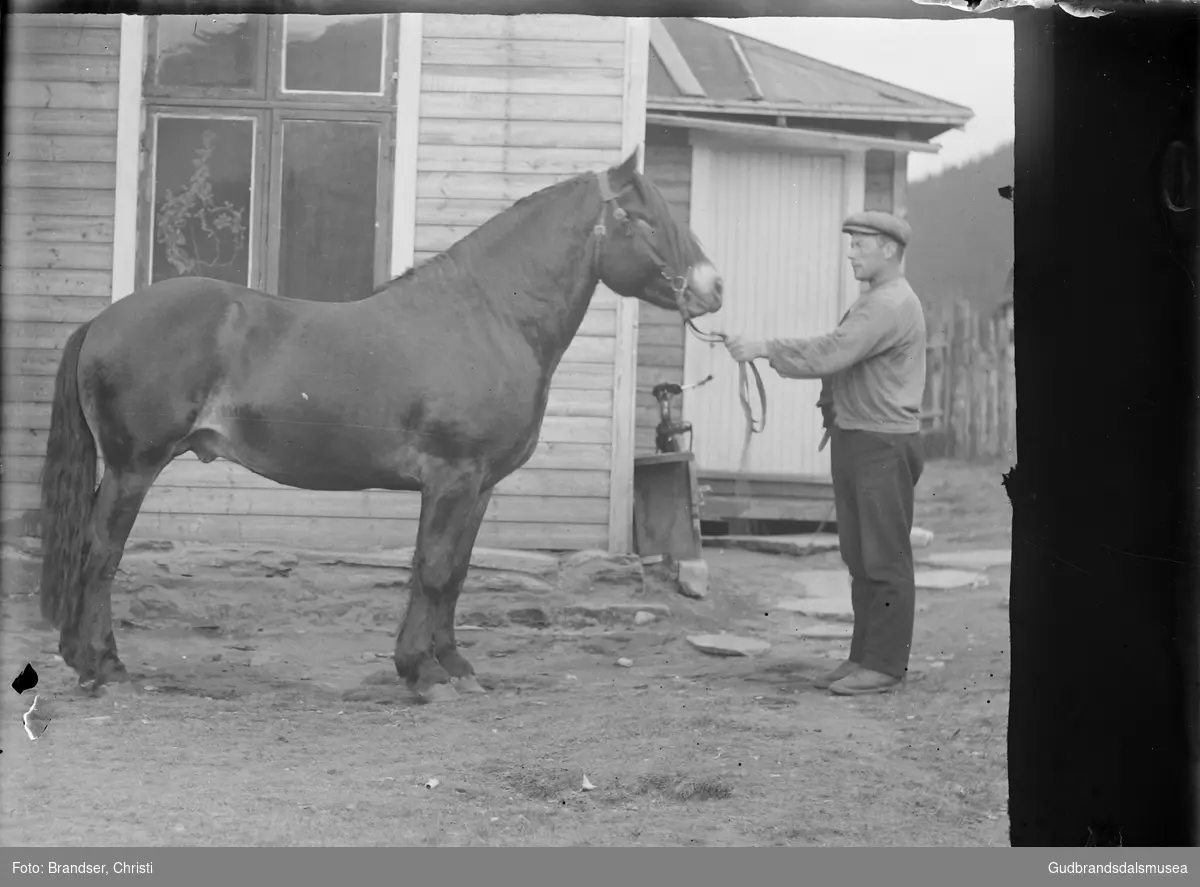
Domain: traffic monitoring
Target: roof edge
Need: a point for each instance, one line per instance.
(795, 137)
(839, 111)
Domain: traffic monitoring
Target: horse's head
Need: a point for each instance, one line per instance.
(645, 253)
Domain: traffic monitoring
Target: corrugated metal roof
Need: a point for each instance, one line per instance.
(791, 83)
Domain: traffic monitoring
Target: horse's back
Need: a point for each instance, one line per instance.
(182, 321)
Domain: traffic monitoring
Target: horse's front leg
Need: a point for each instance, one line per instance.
(445, 648)
(451, 512)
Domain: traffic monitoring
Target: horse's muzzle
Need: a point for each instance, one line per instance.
(704, 290)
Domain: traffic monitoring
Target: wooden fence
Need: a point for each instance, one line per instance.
(970, 406)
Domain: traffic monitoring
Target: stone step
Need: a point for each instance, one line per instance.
(976, 559)
(728, 645)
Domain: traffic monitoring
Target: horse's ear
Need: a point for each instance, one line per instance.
(622, 175)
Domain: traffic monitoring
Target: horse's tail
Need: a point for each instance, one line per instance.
(68, 487)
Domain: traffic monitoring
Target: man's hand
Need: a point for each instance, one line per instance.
(744, 349)
(827, 414)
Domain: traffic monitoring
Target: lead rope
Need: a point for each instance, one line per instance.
(753, 426)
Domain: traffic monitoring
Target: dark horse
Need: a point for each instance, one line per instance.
(436, 383)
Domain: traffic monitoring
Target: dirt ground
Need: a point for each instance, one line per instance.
(274, 718)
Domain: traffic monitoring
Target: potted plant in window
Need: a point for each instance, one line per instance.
(201, 236)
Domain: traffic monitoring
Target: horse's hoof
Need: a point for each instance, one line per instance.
(438, 693)
(468, 684)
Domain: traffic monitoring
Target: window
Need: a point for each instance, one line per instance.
(268, 147)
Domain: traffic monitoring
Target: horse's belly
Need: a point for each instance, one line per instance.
(310, 452)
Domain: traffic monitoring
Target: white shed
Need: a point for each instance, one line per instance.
(765, 152)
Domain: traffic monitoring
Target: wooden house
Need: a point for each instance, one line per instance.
(332, 152)
(323, 155)
(764, 152)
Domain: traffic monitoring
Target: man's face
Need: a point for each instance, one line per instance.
(868, 255)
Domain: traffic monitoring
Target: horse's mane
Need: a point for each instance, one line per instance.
(466, 251)
(462, 255)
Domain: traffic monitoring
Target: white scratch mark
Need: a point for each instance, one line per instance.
(35, 722)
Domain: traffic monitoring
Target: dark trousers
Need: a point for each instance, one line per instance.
(873, 479)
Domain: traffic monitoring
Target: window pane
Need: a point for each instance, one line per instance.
(334, 53)
(327, 224)
(208, 50)
(203, 175)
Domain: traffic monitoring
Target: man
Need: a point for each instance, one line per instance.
(872, 369)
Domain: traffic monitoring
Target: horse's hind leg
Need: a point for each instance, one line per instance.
(450, 516)
(445, 648)
(89, 646)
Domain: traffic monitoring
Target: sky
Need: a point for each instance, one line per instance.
(966, 62)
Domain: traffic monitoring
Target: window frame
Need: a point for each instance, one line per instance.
(385, 101)
(269, 105)
(152, 91)
(146, 211)
(273, 212)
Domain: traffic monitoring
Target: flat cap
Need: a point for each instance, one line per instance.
(875, 222)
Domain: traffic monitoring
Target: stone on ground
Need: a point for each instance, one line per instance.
(505, 581)
(642, 617)
(823, 583)
(833, 608)
(801, 545)
(949, 579)
(920, 537)
(535, 563)
(693, 578)
(593, 570)
(981, 559)
(728, 645)
(612, 612)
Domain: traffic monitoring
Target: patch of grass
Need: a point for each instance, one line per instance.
(683, 787)
(537, 783)
(540, 783)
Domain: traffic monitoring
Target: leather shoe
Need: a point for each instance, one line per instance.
(846, 668)
(863, 681)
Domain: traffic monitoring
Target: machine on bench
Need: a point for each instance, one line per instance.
(666, 497)
(666, 435)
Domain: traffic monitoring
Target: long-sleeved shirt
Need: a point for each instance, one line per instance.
(872, 366)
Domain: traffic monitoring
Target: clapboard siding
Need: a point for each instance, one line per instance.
(96, 204)
(562, 54)
(58, 67)
(511, 105)
(47, 229)
(529, 29)
(60, 128)
(880, 177)
(57, 121)
(355, 534)
(660, 332)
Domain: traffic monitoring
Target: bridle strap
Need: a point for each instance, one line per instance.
(606, 192)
